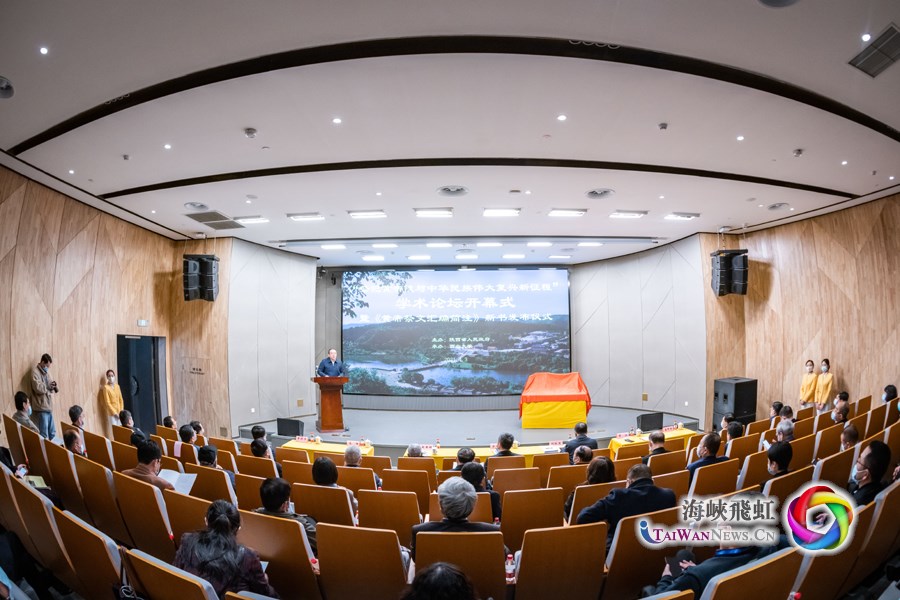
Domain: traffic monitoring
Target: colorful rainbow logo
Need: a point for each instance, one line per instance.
(813, 496)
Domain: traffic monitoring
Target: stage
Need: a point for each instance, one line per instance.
(391, 431)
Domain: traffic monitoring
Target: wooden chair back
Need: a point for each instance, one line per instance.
(324, 504)
(186, 453)
(161, 442)
(356, 479)
(478, 555)
(770, 577)
(530, 509)
(598, 452)
(863, 405)
(14, 439)
(757, 427)
(504, 462)
(805, 413)
(623, 465)
(99, 449)
(679, 482)
(836, 468)
(121, 434)
(124, 456)
(93, 554)
(568, 477)
(256, 466)
(828, 441)
(283, 543)
(784, 486)
(858, 421)
(396, 480)
(380, 577)
(419, 463)
(675, 444)
(297, 472)
(893, 414)
(156, 579)
(337, 459)
(754, 471)
(553, 559)
(224, 445)
(171, 463)
(283, 453)
(376, 463)
(12, 518)
(166, 433)
(34, 450)
(878, 540)
(200, 441)
(631, 566)
(397, 511)
(892, 439)
(506, 480)
(667, 462)
(145, 516)
(544, 462)
(824, 420)
(445, 475)
(65, 481)
(186, 513)
(211, 484)
(719, 478)
(225, 460)
(876, 420)
(638, 449)
(447, 463)
(96, 482)
(247, 491)
(244, 448)
(803, 450)
(588, 495)
(804, 428)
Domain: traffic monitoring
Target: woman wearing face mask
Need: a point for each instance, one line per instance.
(808, 386)
(890, 393)
(824, 383)
(111, 394)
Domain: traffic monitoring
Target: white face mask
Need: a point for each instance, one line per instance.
(111, 379)
(884, 397)
(824, 368)
(854, 474)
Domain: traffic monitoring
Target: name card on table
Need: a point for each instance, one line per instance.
(494, 446)
(427, 447)
(302, 439)
(556, 443)
(354, 443)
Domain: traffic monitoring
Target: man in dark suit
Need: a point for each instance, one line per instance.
(869, 470)
(638, 497)
(706, 453)
(657, 446)
(581, 439)
(457, 498)
(504, 447)
(331, 366)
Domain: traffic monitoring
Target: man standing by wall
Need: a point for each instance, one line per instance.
(42, 406)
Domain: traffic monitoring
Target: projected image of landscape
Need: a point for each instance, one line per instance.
(455, 333)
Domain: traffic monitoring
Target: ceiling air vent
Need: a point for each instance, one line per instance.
(453, 190)
(598, 193)
(215, 220)
(880, 54)
(778, 206)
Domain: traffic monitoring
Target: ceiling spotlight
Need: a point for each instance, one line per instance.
(590, 244)
(167, 146)
(662, 197)
(438, 245)
(539, 244)
(798, 153)
(333, 247)
(373, 258)
(891, 178)
(740, 138)
(681, 216)
(367, 214)
(866, 37)
(249, 133)
(628, 214)
(44, 50)
(501, 212)
(248, 201)
(251, 220)
(560, 256)
(488, 244)
(513, 256)
(71, 171)
(561, 117)
(152, 212)
(844, 163)
(567, 212)
(337, 120)
(527, 192)
(434, 213)
(6, 88)
(377, 193)
(384, 245)
(313, 216)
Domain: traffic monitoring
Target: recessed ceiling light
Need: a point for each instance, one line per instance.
(167, 146)
(681, 216)
(71, 171)
(539, 244)
(377, 193)
(761, 205)
(466, 269)
(501, 212)
(513, 256)
(251, 220)
(590, 244)
(866, 37)
(628, 214)
(434, 213)
(419, 257)
(844, 162)
(438, 245)
(44, 50)
(312, 216)
(152, 212)
(384, 245)
(337, 120)
(248, 201)
(561, 117)
(466, 256)
(792, 208)
(367, 214)
(891, 178)
(740, 138)
(662, 197)
(527, 192)
(488, 244)
(333, 247)
(373, 258)
(567, 212)
(560, 256)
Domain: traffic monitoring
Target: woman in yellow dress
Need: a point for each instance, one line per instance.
(823, 387)
(808, 386)
(112, 397)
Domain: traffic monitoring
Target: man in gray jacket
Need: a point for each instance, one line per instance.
(42, 406)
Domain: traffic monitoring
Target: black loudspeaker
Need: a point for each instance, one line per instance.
(191, 276)
(729, 272)
(201, 277)
(721, 281)
(735, 395)
(289, 427)
(650, 421)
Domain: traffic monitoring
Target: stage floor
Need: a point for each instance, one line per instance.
(392, 431)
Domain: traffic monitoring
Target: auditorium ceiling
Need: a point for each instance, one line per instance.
(391, 131)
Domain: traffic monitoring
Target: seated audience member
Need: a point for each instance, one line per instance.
(463, 456)
(22, 416)
(208, 456)
(197, 426)
(726, 419)
(600, 470)
(582, 456)
(504, 447)
(734, 430)
(787, 414)
(474, 474)
(774, 412)
(780, 455)
(325, 473)
(868, 472)
(440, 581)
(76, 416)
(706, 453)
(73, 443)
(147, 470)
(581, 439)
(170, 422)
(186, 435)
(890, 393)
(352, 458)
(275, 494)
(258, 432)
(414, 450)
(457, 497)
(215, 555)
(839, 413)
(639, 496)
(260, 449)
(127, 421)
(849, 437)
(784, 432)
(137, 437)
(657, 446)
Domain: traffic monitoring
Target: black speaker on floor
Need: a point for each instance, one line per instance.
(729, 272)
(201, 277)
(735, 395)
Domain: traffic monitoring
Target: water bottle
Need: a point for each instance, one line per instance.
(437, 443)
(510, 569)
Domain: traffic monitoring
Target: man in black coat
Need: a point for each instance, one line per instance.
(871, 466)
(706, 453)
(581, 439)
(657, 446)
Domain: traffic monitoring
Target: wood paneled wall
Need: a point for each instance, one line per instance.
(827, 287)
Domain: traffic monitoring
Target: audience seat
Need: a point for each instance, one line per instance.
(225, 460)
(376, 463)
(14, 439)
(224, 445)
(12, 516)
(632, 450)
(171, 464)
(337, 459)
(828, 441)
(622, 466)
(445, 475)
(395, 480)
(157, 579)
(893, 414)
(145, 516)
(324, 504)
(805, 413)
(567, 478)
(188, 453)
(356, 478)
(481, 513)
(784, 486)
(544, 462)
(503, 462)
(211, 484)
(660, 464)
(691, 443)
(598, 452)
(757, 427)
(397, 511)
(122, 435)
(823, 421)
(836, 468)
(742, 447)
(99, 449)
(93, 554)
(892, 439)
(419, 463)
(555, 562)
(478, 555)
(803, 451)
(244, 448)
(65, 481)
(124, 456)
(247, 491)
(381, 576)
(860, 422)
(719, 478)
(256, 465)
(530, 509)
(861, 406)
(804, 428)
(96, 482)
(754, 471)
(678, 482)
(516, 479)
(186, 513)
(631, 566)
(876, 420)
(160, 441)
(685, 595)
(283, 453)
(246, 596)
(37, 458)
(297, 472)
(587, 495)
(675, 444)
(770, 577)
(283, 543)
(166, 433)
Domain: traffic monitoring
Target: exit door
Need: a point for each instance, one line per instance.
(142, 377)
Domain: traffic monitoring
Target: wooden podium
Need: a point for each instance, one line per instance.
(331, 414)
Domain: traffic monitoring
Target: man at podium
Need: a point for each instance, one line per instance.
(331, 366)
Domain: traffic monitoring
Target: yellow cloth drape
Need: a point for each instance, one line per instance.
(808, 388)
(823, 388)
(112, 398)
